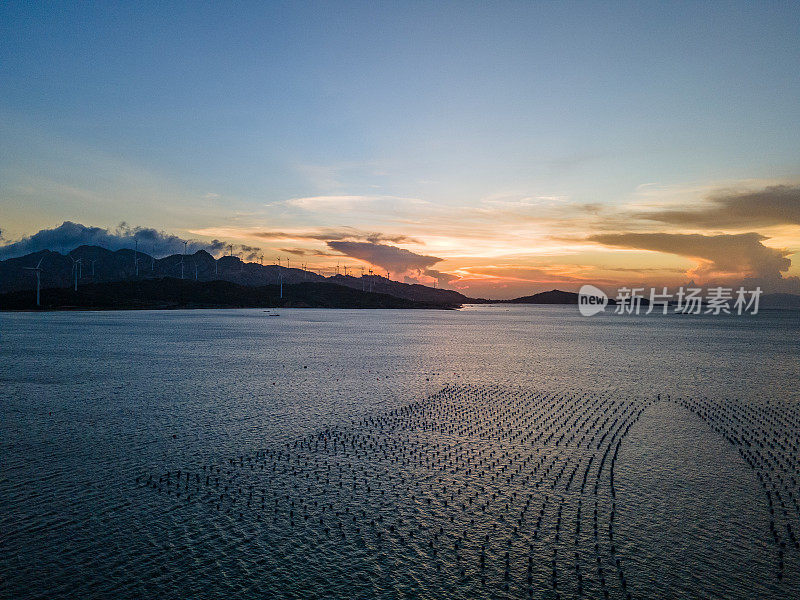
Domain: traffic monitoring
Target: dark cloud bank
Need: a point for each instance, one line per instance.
(719, 255)
(774, 205)
(329, 234)
(70, 235)
(393, 259)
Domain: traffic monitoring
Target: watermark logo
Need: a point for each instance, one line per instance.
(688, 301)
(591, 300)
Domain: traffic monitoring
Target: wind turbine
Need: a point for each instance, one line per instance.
(93, 261)
(76, 263)
(75, 267)
(136, 257)
(182, 255)
(37, 269)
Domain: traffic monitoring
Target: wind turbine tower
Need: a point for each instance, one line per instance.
(75, 269)
(38, 270)
(182, 256)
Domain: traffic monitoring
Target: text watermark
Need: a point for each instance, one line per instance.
(685, 300)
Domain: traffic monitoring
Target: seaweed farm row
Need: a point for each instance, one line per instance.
(474, 491)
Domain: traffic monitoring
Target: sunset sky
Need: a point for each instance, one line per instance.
(499, 148)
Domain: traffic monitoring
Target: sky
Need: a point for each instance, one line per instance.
(496, 148)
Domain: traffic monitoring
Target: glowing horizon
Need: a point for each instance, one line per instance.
(498, 150)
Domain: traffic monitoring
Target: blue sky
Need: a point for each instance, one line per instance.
(211, 119)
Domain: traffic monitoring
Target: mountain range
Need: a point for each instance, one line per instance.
(169, 293)
(96, 267)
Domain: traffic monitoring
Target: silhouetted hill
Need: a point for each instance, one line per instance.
(556, 297)
(410, 291)
(170, 293)
(551, 297)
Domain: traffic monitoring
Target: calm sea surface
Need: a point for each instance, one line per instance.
(496, 451)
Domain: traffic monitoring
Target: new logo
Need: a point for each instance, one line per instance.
(591, 300)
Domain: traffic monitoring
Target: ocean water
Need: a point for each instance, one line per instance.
(496, 451)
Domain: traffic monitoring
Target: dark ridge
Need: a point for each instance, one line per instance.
(99, 265)
(551, 297)
(410, 291)
(555, 297)
(171, 293)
